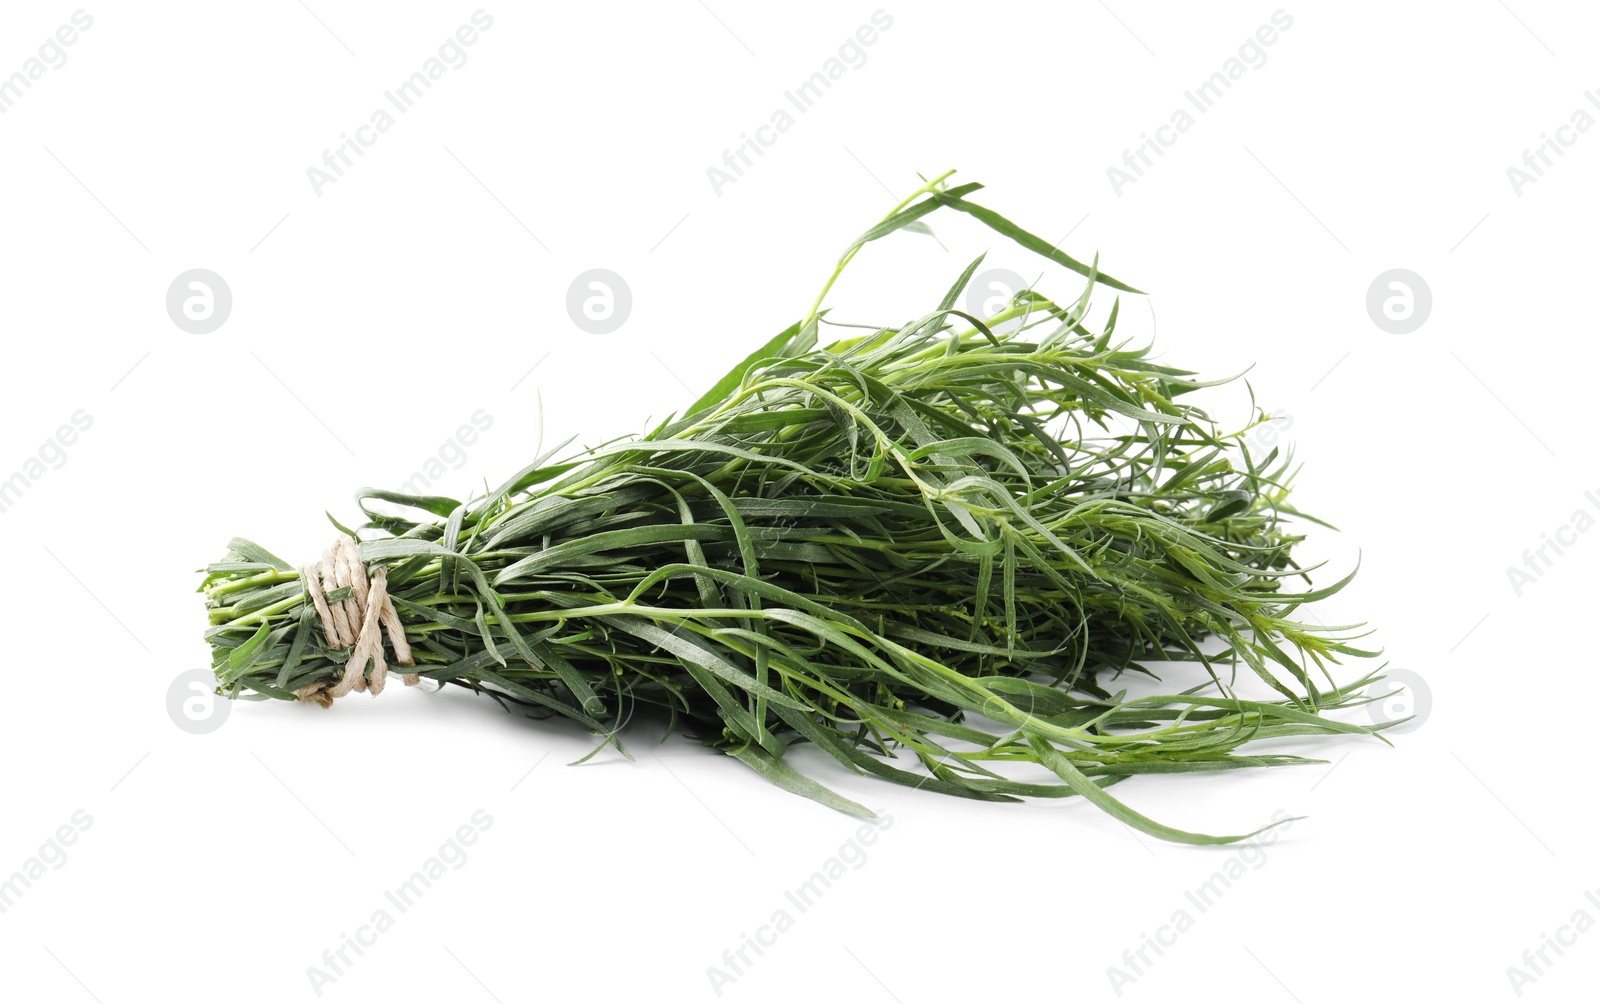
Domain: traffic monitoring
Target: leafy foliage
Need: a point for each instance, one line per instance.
(947, 537)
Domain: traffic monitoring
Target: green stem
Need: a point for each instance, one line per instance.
(816, 306)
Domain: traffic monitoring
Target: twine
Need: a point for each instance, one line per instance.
(357, 622)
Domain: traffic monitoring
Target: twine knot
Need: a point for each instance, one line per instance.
(356, 622)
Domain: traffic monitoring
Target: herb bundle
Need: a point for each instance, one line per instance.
(937, 545)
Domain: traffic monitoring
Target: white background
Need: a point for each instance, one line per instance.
(430, 281)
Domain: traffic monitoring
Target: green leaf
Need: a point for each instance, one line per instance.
(1000, 225)
(788, 779)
